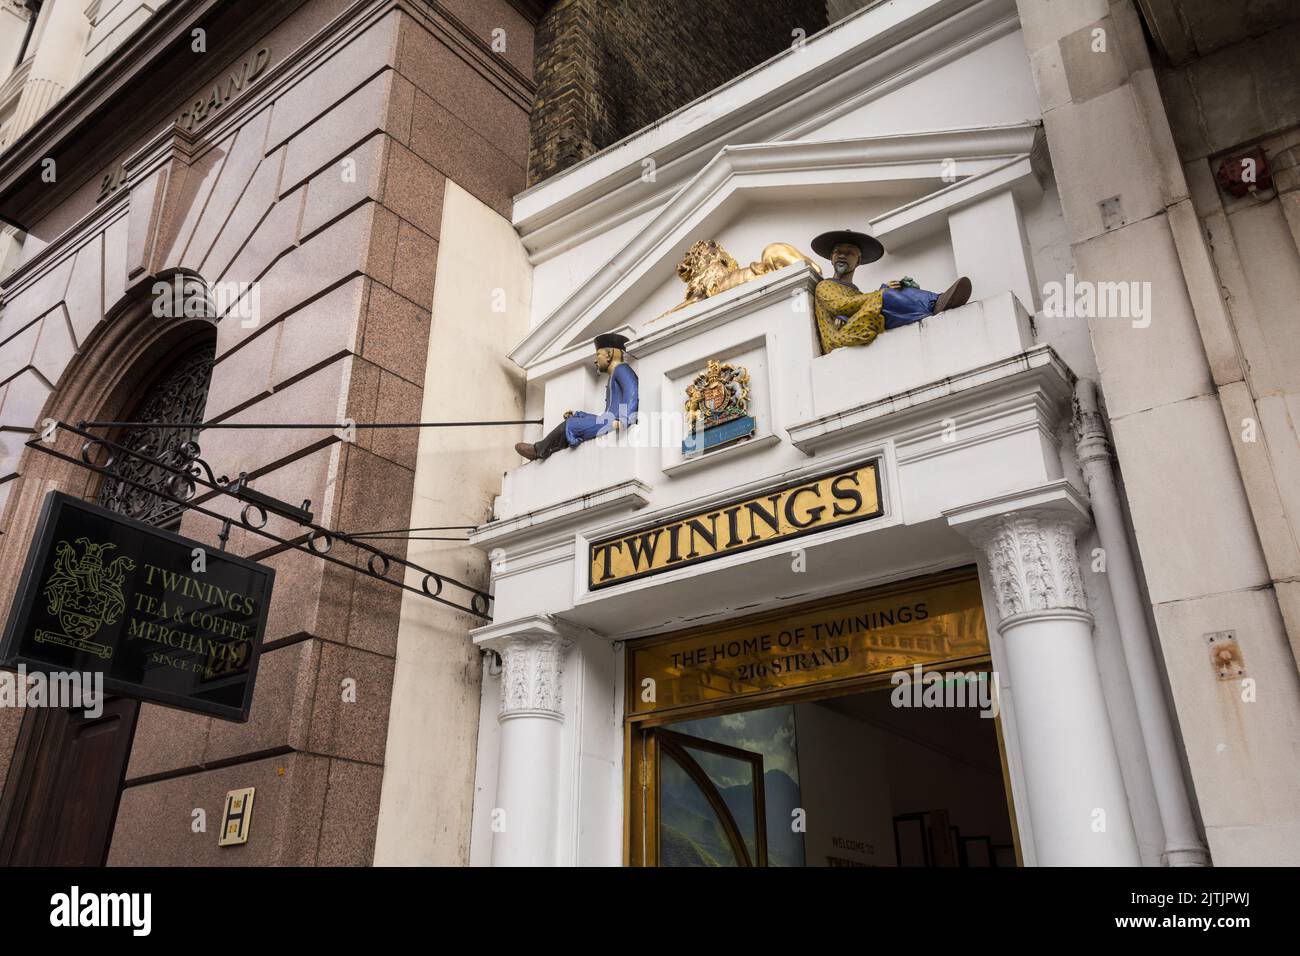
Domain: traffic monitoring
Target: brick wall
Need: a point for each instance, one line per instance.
(607, 68)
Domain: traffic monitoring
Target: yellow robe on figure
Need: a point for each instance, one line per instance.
(862, 311)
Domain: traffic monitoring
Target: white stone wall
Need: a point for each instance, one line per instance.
(112, 21)
(432, 727)
(1209, 510)
(928, 136)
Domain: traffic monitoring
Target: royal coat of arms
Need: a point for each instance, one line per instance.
(85, 594)
(717, 407)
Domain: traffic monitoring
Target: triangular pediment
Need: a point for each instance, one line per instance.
(883, 184)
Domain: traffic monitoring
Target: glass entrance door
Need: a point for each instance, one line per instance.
(701, 803)
(869, 778)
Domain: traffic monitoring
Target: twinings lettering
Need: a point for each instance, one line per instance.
(812, 505)
(842, 638)
(816, 633)
(192, 587)
(110, 594)
(224, 90)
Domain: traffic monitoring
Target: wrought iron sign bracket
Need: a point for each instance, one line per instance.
(188, 474)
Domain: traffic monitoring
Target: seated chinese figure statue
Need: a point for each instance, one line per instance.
(848, 316)
(621, 401)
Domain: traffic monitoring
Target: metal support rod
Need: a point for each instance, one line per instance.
(336, 426)
(318, 541)
(443, 527)
(403, 537)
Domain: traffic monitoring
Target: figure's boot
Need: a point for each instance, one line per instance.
(954, 297)
(551, 442)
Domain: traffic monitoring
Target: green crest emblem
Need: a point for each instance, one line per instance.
(85, 594)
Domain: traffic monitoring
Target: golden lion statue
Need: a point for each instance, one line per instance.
(708, 269)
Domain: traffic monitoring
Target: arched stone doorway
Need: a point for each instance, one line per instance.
(61, 793)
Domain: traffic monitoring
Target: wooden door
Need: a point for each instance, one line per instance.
(60, 798)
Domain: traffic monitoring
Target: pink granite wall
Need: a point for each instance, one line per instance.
(322, 184)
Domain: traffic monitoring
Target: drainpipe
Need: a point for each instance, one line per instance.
(1183, 845)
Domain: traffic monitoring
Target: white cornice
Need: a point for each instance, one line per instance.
(536, 625)
(1039, 364)
(625, 496)
(723, 308)
(905, 223)
(910, 156)
(1058, 495)
(874, 51)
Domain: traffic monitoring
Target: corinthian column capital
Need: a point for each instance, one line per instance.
(532, 666)
(1028, 541)
(1092, 441)
(1031, 557)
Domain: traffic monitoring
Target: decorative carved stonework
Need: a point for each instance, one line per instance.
(532, 667)
(1032, 559)
(708, 269)
(1092, 440)
(179, 396)
(717, 407)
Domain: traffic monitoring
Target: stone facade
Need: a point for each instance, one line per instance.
(1230, 85)
(1195, 398)
(1192, 529)
(324, 182)
(371, 181)
(607, 69)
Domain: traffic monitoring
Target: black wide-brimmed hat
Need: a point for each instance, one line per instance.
(871, 248)
(611, 340)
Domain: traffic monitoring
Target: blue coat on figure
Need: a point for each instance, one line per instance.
(621, 402)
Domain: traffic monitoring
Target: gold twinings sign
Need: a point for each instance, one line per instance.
(811, 505)
(855, 636)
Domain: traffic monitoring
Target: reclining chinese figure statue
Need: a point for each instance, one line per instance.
(848, 316)
(621, 401)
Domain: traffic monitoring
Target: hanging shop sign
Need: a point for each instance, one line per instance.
(162, 617)
(811, 505)
(855, 636)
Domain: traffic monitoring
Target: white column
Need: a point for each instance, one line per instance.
(58, 44)
(1183, 844)
(1077, 804)
(526, 816)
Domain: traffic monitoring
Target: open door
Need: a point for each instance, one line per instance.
(699, 803)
